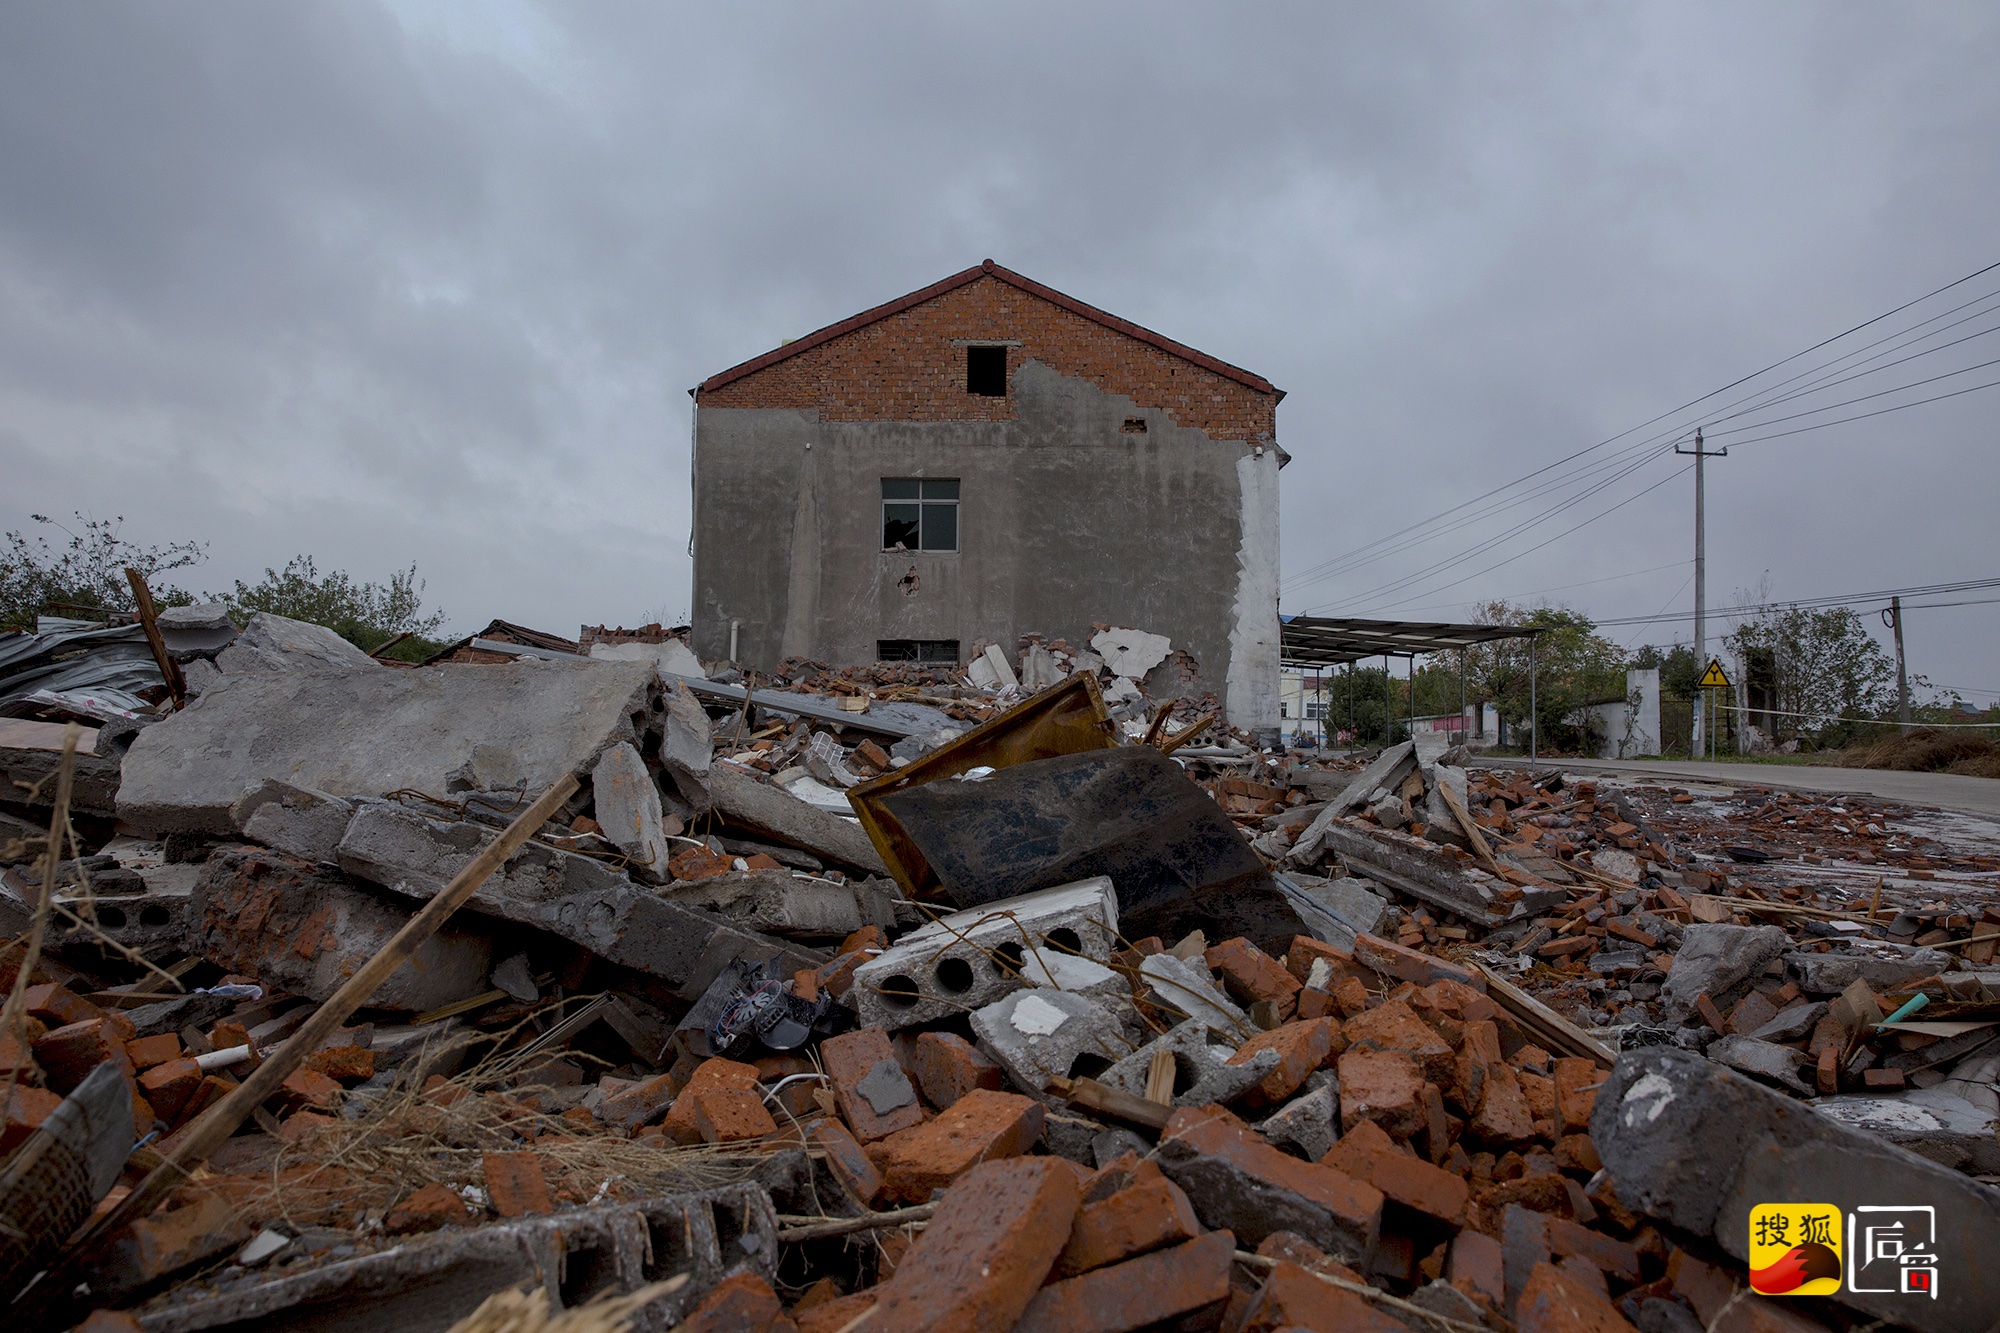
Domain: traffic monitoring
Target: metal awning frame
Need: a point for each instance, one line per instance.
(1322, 641)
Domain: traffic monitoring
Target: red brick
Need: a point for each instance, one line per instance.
(146, 1052)
(169, 1087)
(346, 1064)
(868, 937)
(1408, 965)
(1181, 1283)
(1384, 1086)
(1503, 1116)
(109, 1321)
(699, 863)
(947, 1067)
(1250, 975)
(27, 1108)
(1350, 997)
(516, 1184)
(1133, 1221)
(834, 1315)
(845, 1158)
(59, 1006)
(1476, 1267)
(985, 1252)
(1294, 1248)
(1292, 1298)
(1354, 1205)
(1555, 1302)
(307, 1088)
(740, 1303)
(637, 1105)
(910, 366)
(1356, 1150)
(1316, 1003)
(1305, 951)
(1394, 1026)
(302, 1125)
(432, 1205)
(728, 1112)
(1120, 1174)
(68, 1054)
(1577, 1093)
(1611, 1256)
(1301, 1046)
(1456, 1000)
(979, 1127)
(1417, 1184)
(1575, 1152)
(171, 1239)
(850, 1058)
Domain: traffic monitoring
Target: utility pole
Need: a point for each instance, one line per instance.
(1894, 615)
(1700, 581)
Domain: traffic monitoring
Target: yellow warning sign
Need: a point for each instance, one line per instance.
(1713, 678)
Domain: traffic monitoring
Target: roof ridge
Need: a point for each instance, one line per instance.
(1020, 281)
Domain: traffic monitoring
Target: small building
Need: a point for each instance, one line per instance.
(982, 459)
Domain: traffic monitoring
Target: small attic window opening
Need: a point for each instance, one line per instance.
(1134, 426)
(986, 371)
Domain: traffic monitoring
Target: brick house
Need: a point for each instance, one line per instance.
(984, 458)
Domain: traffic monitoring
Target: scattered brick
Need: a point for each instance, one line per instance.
(1135, 1220)
(1238, 1181)
(169, 1087)
(728, 1112)
(516, 1184)
(854, 1057)
(947, 1067)
(1292, 1298)
(67, 1054)
(27, 1108)
(1302, 1047)
(428, 1207)
(1250, 975)
(1394, 1026)
(1557, 1302)
(845, 1158)
(1384, 1086)
(981, 1126)
(145, 1052)
(345, 1064)
(985, 1253)
(1186, 1282)
(740, 1303)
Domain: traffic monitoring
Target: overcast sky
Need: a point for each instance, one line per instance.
(430, 281)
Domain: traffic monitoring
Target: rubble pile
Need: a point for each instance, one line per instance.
(914, 997)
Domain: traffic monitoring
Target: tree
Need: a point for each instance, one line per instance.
(1680, 670)
(1573, 666)
(367, 615)
(85, 577)
(1828, 667)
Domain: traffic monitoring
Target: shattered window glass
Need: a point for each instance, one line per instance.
(919, 513)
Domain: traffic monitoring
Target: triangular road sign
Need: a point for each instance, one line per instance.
(1713, 678)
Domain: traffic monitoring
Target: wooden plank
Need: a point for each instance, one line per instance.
(1562, 1036)
(19, 733)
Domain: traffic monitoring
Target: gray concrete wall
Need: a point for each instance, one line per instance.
(1064, 520)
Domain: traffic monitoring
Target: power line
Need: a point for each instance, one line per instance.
(1314, 573)
(1833, 600)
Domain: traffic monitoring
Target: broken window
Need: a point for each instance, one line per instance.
(1134, 426)
(917, 650)
(919, 514)
(986, 371)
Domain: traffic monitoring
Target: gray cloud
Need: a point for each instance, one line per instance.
(430, 281)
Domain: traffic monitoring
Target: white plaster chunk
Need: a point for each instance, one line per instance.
(1132, 652)
(1036, 1017)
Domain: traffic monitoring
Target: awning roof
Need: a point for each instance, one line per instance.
(1323, 641)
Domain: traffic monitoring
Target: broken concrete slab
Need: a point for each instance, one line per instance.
(275, 643)
(626, 805)
(1718, 961)
(671, 657)
(782, 903)
(1308, 1125)
(955, 962)
(302, 929)
(1202, 1072)
(1930, 1122)
(1880, 963)
(1190, 989)
(1440, 824)
(1761, 1059)
(368, 733)
(768, 812)
(1131, 653)
(298, 820)
(687, 745)
(1040, 1035)
(1697, 1146)
(572, 896)
(426, 1284)
(1421, 870)
(1334, 911)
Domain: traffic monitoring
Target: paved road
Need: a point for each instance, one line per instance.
(1945, 791)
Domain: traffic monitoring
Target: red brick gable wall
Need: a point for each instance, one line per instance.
(907, 367)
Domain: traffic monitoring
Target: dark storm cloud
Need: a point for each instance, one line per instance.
(429, 281)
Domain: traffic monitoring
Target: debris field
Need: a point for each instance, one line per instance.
(1022, 994)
